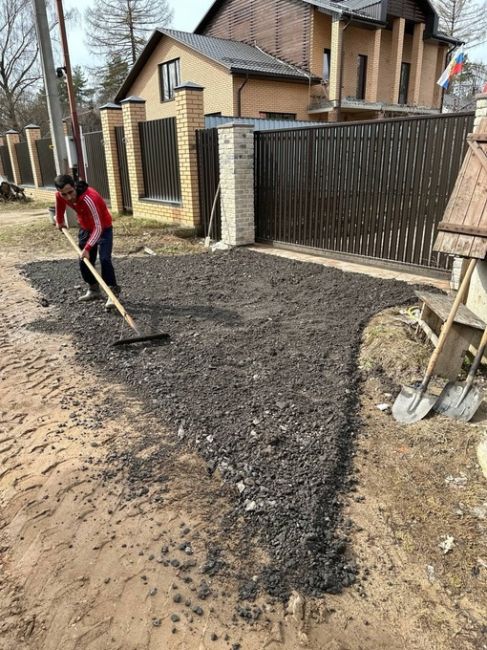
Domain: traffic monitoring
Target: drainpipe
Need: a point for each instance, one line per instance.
(239, 97)
(342, 52)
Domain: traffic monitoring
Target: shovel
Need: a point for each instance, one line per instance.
(461, 401)
(413, 404)
(128, 319)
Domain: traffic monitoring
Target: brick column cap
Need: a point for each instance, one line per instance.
(112, 107)
(31, 126)
(133, 100)
(239, 125)
(189, 85)
(11, 132)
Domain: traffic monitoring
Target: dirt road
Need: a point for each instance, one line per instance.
(91, 561)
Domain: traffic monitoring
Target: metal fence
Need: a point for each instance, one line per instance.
(375, 189)
(47, 165)
(123, 168)
(95, 163)
(23, 161)
(160, 161)
(208, 178)
(7, 164)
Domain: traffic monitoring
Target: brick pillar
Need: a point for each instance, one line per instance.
(111, 116)
(133, 112)
(397, 47)
(236, 153)
(12, 139)
(190, 116)
(2, 170)
(373, 68)
(480, 111)
(33, 133)
(417, 64)
(440, 66)
(336, 58)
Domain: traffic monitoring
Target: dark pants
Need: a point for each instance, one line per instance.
(104, 247)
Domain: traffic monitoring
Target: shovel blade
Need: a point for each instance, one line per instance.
(448, 401)
(411, 407)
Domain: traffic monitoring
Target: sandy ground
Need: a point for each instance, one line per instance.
(83, 569)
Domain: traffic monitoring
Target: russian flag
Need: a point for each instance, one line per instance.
(454, 67)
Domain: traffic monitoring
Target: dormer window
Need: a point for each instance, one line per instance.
(169, 78)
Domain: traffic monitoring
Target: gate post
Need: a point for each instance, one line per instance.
(133, 112)
(2, 170)
(189, 118)
(33, 133)
(236, 152)
(13, 138)
(111, 116)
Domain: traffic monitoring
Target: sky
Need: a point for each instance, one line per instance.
(187, 15)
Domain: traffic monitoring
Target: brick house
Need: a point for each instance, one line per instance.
(300, 59)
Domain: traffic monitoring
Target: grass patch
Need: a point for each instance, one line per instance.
(130, 237)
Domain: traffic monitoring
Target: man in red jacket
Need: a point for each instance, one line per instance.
(95, 233)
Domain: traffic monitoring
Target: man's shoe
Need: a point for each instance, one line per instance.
(109, 303)
(93, 293)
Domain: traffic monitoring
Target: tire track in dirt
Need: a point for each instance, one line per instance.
(81, 565)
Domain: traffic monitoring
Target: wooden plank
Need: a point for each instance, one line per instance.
(476, 231)
(441, 304)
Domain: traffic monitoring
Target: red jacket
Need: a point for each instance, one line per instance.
(91, 210)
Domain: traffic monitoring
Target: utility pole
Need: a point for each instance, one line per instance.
(71, 96)
(50, 84)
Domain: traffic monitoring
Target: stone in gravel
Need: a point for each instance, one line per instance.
(177, 598)
(156, 622)
(203, 590)
(214, 637)
(175, 563)
(197, 610)
(175, 618)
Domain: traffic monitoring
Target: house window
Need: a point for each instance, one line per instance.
(168, 79)
(278, 116)
(361, 76)
(404, 83)
(326, 65)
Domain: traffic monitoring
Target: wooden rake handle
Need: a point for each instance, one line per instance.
(445, 330)
(103, 284)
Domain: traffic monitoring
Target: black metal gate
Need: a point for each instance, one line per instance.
(23, 160)
(95, 163)
(47, 165)
(7, 164)
(208, 179)
(160, 160)
(375, 189)
(123, 168)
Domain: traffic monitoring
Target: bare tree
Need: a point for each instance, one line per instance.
(19, 68)
(465, 20)
(120, 28)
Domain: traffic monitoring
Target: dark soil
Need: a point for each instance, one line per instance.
(260, 378)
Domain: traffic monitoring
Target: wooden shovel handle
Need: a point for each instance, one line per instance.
(103, 284)
(445, 330)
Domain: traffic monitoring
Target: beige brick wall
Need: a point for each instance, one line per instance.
(216, 80)
(320, 39)
(260, 95)
(358, 40)
(429, 91)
